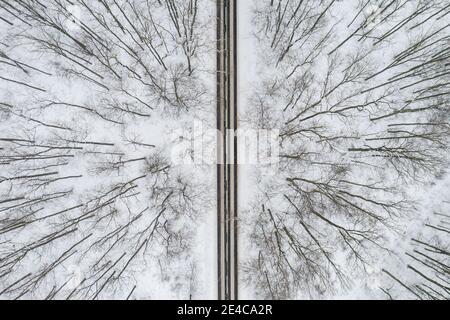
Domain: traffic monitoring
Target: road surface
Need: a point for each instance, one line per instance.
(227, 150)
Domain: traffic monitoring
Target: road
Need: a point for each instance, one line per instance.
(227, 150)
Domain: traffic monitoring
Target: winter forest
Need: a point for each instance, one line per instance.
(95, 95)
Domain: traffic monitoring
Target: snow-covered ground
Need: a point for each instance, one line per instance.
(359, 92)
(104, 195)
(95, 97)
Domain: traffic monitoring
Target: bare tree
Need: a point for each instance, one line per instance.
(428, 265)
(79, 188)
(359, 91)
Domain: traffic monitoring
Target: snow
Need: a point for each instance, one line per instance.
(116, 193)
(173, 262)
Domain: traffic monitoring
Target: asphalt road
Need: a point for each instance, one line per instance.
(227, 150)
